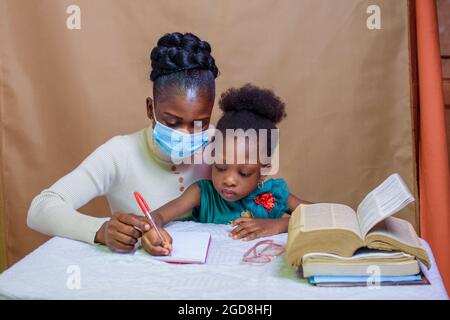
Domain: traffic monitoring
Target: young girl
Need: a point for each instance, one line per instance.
(238, 193)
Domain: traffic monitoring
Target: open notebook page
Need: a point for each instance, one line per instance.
(187, 247)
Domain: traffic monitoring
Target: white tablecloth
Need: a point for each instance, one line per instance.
(67, 269)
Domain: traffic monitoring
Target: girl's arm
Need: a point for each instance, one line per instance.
(293, 202)
(250, 228)
(163, 215)
(178, 206)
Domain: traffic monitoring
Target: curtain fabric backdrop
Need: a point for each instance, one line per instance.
(65, 92)
(433, 164)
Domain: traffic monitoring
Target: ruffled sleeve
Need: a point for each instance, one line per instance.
(268, 200)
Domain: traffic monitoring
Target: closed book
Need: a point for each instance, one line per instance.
(364, 263)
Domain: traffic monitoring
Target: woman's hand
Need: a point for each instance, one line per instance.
(152, 243)
(251, 228)
(120, 233)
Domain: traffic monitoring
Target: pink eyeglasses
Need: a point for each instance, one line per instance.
(263, 252)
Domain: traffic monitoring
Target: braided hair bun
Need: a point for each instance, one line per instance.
(177, 52)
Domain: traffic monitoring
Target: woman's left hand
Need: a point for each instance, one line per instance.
(252, 228)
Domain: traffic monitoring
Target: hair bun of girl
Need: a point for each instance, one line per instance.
(176, 52)
(254, 99)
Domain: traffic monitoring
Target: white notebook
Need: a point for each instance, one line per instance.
(188, 247)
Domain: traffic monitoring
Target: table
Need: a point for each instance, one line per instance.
(68, 269)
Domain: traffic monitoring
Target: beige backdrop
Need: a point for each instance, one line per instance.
(65, 92)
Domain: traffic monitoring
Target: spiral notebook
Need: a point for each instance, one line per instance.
(188, 247)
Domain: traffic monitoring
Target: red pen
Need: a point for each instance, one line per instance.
(146, 210)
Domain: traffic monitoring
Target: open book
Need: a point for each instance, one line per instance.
(338, 229)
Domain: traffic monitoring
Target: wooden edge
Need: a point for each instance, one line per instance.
(3, 235)
(414, 99)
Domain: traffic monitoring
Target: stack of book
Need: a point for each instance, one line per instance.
(333, 245)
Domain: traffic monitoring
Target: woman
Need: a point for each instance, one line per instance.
(183, 75)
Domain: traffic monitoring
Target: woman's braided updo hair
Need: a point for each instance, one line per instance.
(182, 60)
(176, 52)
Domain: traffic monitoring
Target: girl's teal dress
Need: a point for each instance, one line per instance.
(267, 201)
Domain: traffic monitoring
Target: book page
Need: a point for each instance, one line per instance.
(398, 229)
(385, 200)
(329, 216)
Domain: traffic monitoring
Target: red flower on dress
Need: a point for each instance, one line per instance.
(266, 200)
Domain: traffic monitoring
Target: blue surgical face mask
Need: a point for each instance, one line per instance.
(176, 144)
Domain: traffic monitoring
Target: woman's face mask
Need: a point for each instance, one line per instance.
(176, 144)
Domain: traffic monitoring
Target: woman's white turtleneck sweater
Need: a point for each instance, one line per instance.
(116, 169)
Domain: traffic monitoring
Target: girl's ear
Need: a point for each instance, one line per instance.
(150, 115)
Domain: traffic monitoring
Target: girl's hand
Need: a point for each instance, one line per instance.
(251, 228)
(153, 244)
(121, 232)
